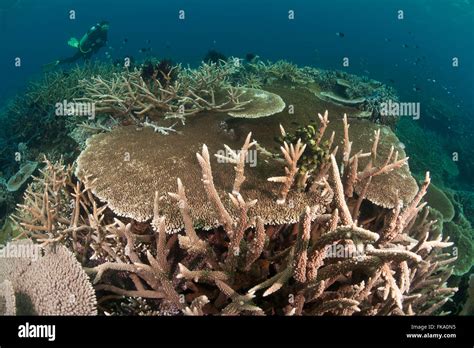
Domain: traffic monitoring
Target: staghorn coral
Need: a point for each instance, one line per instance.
(49, 284)
(279, 70)
(56, 210)
(384, 190)
(316, 151)
(129, 95)
(337, 261)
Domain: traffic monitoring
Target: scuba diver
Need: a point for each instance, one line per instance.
(91, 43)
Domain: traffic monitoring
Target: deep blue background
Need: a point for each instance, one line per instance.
(37, 31)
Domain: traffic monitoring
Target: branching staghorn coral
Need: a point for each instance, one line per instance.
(281, 70)
(292, 154)
(56, 210)
(342, 261)
(127, 94)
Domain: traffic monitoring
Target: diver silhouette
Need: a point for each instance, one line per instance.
(88, 45)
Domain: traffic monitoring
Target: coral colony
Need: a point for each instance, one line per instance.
(235, 188)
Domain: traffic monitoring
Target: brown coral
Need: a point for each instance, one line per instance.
(7, 298)
(125, 173)
(49, 284)
(337, 261)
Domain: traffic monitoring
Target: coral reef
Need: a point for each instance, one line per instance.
(334, 224)
(49, 284)
(339, 258)
(128, 95)
(395, 273)
(57, 210)
(384, 190)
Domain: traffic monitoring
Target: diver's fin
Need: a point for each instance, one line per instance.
(73, 42)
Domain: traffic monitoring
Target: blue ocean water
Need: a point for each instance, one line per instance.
(413, 54)
(434, 31)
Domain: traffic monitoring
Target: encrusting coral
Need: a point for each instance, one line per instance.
(339, 258)
(342, 260)
(7, 298)
(49, 284)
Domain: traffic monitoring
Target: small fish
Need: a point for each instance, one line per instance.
(391, 80)
(340, 34)
(125, 40)
(388, 39)
(416, 89)
(148, 41)
(143, 50)
(405, 46)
